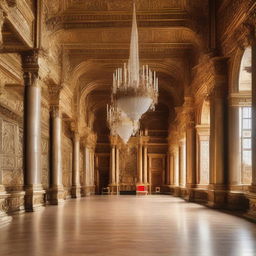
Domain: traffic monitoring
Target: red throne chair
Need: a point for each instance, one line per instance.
(141, 190)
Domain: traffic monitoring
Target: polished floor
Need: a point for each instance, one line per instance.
(128, 225)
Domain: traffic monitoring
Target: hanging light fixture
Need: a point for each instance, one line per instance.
(135, 89)
(120, 124)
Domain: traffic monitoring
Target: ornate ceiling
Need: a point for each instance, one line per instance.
(94, 36)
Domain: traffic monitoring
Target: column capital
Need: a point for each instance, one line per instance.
(113, 140)
(76, 136)
(54, 91)
(143, 140)
(89, 142)
(30, 67)
(218, 92)
(30, 61)
(220, 72)
(55, 111)
(173, 149)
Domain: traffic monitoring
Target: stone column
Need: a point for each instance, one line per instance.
(176, 165)
(145, 164)
(117, 169)
(56, 192)
(92, 172)
(76, 188)
(182, 163)
(34, 193)
(234, 147)
(168, 168)
(140, 163)
(190, 146)
(218, 135)
(113, 164)
(87, 171)
(83, 187)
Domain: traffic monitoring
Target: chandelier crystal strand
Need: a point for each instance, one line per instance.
(135, 89)
(120, 124)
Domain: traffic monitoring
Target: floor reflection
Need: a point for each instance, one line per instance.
(128, 225)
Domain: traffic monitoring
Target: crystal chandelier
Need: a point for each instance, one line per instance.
(120, 124)
(135, 88)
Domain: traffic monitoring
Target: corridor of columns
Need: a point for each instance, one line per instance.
(62, 163)
(128, 225)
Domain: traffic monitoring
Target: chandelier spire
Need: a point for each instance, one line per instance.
(134, 63)
(134, 92)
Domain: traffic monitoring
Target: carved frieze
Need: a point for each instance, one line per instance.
(120, 5)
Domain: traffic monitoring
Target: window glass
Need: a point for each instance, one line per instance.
(245, 136)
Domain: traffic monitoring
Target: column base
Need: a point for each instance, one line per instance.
(217, 199)
(197, 195)
(176, 191)
(190, 195)
(183, 192)
(35, 198)
(76, 192)
(168, 189)
(88, 191)
(56, 195)
(114, 189)
(16, 202)
(251, 213)
(4, 218)
(237, 201)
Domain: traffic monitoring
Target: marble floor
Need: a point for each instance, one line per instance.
(128, 225)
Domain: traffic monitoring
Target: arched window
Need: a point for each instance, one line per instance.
(245, 116)
(203, 137)
(245, 77)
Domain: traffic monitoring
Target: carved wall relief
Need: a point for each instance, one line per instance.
(11, 149)
(45, 162)
(67, 162)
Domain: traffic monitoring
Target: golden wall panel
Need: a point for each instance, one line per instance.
(128, 166)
